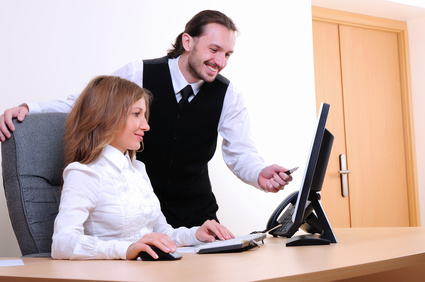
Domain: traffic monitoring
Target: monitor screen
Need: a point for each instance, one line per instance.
(302, 209)
(316, 164)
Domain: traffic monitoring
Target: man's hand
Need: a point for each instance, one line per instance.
(273, 178)
(6, 120)
(211, 229)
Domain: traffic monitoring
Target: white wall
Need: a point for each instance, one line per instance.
(50, 49)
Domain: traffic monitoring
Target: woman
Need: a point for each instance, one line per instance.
(108, 209)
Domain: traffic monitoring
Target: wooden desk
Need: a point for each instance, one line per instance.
(360, 252)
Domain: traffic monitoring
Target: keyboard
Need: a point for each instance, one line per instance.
(237, 244)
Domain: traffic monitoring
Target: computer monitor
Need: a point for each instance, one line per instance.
(303, 209)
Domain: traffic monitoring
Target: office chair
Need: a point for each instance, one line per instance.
(32, 164)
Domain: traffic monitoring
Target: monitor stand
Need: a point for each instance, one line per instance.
(327, 235)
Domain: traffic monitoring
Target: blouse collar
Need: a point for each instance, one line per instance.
(116, 157)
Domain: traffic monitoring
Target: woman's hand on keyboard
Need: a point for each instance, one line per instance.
(212, 229)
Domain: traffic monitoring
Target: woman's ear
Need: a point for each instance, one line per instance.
(187, 42)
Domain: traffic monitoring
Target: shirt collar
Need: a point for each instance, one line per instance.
(178, 80)
(116, 157)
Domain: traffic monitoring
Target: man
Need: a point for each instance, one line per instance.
(183, 136)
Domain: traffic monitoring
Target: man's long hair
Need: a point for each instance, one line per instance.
(196, 26)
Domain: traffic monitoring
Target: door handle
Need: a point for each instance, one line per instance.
(344, 175)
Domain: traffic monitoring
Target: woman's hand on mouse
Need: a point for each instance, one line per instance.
(162, 241)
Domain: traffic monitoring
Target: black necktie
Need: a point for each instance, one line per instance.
(186, 93)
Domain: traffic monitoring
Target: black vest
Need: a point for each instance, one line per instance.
(178, 147)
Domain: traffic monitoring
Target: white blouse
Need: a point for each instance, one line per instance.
(106, 206)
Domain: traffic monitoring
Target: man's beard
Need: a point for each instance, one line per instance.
(193, 64)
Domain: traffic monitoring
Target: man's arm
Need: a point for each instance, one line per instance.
(132, 71)
(239, 151)
(20, 112)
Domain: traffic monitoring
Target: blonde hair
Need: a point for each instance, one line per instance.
(98, 114)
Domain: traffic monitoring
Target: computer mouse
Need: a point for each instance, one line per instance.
(161, 255)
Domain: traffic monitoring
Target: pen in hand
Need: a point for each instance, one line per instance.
(289, 172)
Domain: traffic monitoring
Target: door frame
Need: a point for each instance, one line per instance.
(399, 27)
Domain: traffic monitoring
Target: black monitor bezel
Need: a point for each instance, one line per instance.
(312, 160)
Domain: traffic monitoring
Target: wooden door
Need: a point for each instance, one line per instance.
(327, 68)
(358, 72)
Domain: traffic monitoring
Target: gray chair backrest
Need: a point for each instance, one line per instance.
(32, 165)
